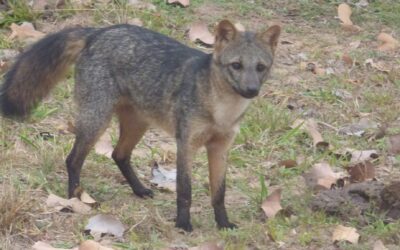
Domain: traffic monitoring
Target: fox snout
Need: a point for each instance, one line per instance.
(251, 91)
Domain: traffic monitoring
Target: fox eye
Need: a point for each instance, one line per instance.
(260, 67)
(236, 66)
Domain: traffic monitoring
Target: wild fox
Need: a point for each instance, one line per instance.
(148, 79)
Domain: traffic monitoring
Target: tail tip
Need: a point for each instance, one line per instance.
(10, 109)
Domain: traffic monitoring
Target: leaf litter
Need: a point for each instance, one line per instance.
(64, 205)
(199, 32)
(272, 204)
(105, 224)
(86, 245)
(162, 178)
(342, 233)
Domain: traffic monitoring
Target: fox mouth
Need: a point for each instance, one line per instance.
(246, 93)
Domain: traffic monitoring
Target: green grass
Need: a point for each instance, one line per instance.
(19, 12)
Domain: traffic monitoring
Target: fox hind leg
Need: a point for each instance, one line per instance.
(132, 128)
(90, 124)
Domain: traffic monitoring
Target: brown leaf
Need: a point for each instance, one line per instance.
(40, 245)
(388, 42)
(362, 155)
(310, 126)
(361, 171)
(344, 13)
(343, 233)
(25, 32)
(321, 176)
(104, 146)
(92, 245)
(347, 59)
(105, 224)
(394, 144)
(86, 198)
(289, 163)
(272, 204)
(199, 31)
(73, 204)
(183, 3)
(381, 66)
(378, 245)
(208, 246)
(351, 28)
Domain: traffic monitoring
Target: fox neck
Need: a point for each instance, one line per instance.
(227, 106)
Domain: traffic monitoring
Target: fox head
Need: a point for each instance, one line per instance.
(244, 58)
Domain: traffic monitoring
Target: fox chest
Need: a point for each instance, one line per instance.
(227, 114)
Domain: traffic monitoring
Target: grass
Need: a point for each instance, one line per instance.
(19, 12)
(31, 166)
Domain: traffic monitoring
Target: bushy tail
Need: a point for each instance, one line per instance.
(37, 70)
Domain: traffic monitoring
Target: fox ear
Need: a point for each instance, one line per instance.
(271, 36)
(225, 33)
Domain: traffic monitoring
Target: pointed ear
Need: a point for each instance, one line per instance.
(225, 33)
(271, 36)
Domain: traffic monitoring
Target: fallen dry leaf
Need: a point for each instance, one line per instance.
(388, 42)
(355, 44)
(381, 66)
(362, 155)
(168, 152)
(86, 245)
(311, 128)
(162, 178)
(321, 176)
(208, 246)
(183, 3)
(347, 59)
(87, 199)
(40, 245)
(240, 27)
(358, 128)
(104, 145)
(362, 171)
(289, 163)
(199, 32)
(394, 144)
(25, 32)
(342, 233)
(272, 204)
(344, 13)
(92, 245)
(73, 204)
(105, 224)
(312, 67)
(378, 245)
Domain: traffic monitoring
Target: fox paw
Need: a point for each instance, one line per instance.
(227, 225)
(145, 192)
(185, 226)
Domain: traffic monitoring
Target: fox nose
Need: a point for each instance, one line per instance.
(252, 90)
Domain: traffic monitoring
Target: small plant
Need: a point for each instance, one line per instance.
(19, 11)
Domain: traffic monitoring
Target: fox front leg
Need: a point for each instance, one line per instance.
(217, 149)
(183, 184)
